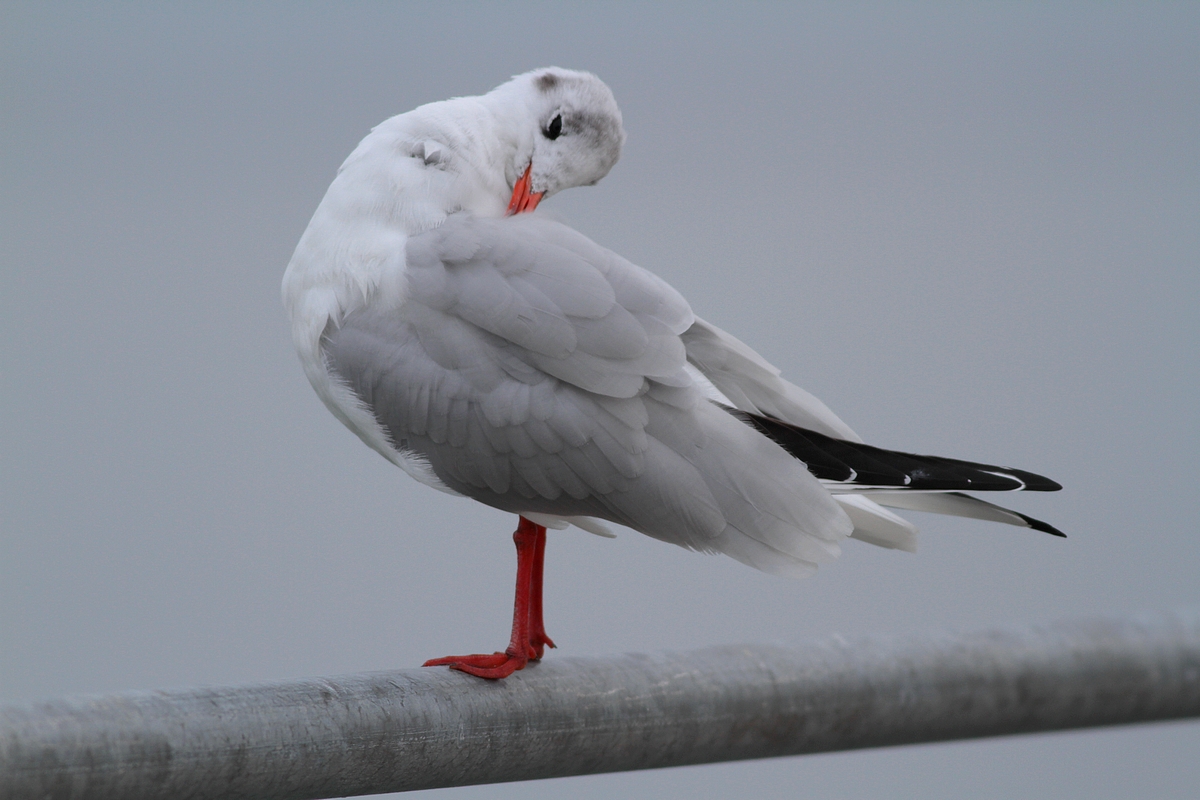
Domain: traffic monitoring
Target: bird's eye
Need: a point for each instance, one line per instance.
(554, 129)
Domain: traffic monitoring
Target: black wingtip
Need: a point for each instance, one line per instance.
(1037, 483)
(1038, 525)
(832, 459)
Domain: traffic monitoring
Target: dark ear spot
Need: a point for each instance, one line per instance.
(547, 82)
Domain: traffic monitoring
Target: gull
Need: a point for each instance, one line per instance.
(499, 355)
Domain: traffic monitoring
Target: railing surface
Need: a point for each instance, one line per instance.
(425, 728)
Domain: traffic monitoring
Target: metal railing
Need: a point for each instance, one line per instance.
(425, 728)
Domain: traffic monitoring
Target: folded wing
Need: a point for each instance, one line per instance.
(540, 373)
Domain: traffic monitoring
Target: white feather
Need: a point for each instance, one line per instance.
(876, 525)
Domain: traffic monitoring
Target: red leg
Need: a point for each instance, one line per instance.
(537, 628)
(528, 632)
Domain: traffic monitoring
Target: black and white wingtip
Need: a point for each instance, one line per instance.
(958, 504)
(863, 467)
(1038, 525)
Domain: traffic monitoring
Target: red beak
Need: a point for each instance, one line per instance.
(522, 199)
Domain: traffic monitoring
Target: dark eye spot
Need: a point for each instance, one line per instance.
(554, 129)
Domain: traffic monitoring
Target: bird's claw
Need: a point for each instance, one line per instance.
(539, 642)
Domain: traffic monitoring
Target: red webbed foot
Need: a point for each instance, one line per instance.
(528, 631)
(482, 665)
(477, 660)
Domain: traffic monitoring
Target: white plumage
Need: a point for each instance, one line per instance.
(505, 357)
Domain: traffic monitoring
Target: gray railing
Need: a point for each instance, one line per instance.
(425, 728)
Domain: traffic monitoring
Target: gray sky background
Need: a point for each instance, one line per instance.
(971, 229)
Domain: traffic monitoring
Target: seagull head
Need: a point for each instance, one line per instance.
(564, 128)
(490, 155)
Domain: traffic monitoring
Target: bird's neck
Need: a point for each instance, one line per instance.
(353, 251)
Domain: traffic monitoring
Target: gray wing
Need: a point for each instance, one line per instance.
(540, 373)
(752, 384)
